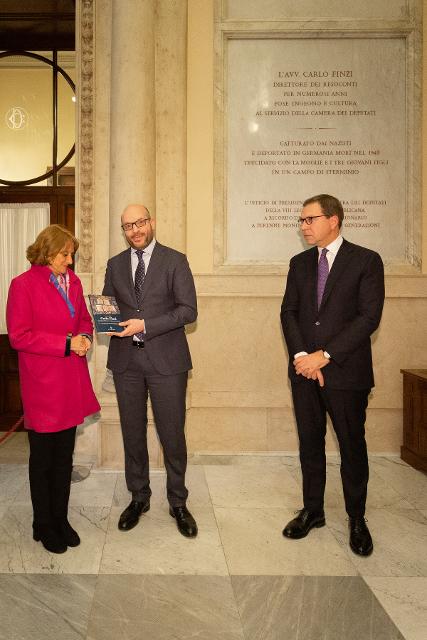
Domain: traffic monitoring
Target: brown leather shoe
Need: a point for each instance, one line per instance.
(130, 516)
(300, 526)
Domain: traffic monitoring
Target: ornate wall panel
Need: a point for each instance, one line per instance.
(85, 124)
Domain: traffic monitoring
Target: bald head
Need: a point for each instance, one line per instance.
(136, 211)
(138, 225)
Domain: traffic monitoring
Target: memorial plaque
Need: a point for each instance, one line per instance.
(308, 116)
(289, 9)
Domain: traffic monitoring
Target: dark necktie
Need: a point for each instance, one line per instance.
(139, 281)
(322, 276)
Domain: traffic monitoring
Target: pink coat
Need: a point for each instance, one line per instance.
(56, 390)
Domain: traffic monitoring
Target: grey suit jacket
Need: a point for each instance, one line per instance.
(349, 313)
(168, 304)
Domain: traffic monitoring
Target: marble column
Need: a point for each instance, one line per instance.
(171, 120)
(139, 125)
(133, 113)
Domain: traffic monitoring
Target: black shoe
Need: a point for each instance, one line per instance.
(130, 515)
(184, 521)
(67, 534)
(360, 538)
(300, 526)
(49, 539)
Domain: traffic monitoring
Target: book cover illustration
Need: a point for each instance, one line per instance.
(105, 312)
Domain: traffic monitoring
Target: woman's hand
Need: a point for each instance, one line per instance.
(87, 342)
(80, 345)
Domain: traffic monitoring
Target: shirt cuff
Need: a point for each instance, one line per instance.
(300, 353)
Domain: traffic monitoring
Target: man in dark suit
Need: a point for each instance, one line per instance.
(154, 289)
(332, 305)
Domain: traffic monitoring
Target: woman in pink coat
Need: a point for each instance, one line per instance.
(50, 327)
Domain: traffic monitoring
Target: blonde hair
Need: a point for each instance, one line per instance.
(49, 243)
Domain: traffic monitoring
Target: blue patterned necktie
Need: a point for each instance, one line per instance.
(139, 281)
(322, 276)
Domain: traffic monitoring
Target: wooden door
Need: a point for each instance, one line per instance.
(62, 211)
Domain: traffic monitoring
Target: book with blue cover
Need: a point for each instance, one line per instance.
(106, 313)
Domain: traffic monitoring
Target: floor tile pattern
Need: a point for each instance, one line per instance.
(238, 580)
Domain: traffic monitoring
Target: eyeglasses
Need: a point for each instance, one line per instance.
(309, 219)
(128, 226)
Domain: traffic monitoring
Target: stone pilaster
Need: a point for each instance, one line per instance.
(133, 82)
(171, 119)
(133, 114)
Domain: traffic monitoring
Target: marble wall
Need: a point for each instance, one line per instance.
(238, 398)
(304, 115)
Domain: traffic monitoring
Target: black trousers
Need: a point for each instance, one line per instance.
(50, 467)
(167, 395)
(347, 410)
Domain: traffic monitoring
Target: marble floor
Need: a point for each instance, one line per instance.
(239, 579)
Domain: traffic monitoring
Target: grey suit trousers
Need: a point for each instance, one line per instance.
(167, 395)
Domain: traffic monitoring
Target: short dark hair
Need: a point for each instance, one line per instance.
(330, 206)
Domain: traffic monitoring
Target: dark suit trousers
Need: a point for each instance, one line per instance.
(50, 467)
(167, 395)
(347, 410)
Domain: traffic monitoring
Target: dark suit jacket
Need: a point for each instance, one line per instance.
(168, 303)
(350, 312)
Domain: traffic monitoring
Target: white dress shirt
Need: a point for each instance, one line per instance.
(330, 257)
(146, 256)
(332, 250)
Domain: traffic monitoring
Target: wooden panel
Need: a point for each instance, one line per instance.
(409, 432)
(62, 211)
(422, 435)
(66, 211)
(414, 449)
(10, 396)
(38, 25)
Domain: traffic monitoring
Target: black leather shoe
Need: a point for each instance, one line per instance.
(130, 515)
(360, 538)
(49, 539)
(184, 521)
(300, 526)
(68, 534)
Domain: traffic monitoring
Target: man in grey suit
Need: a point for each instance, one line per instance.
(155, 292)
